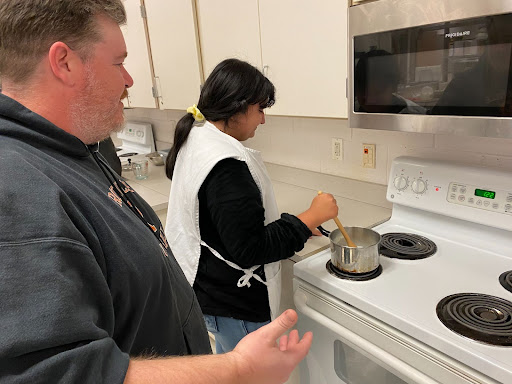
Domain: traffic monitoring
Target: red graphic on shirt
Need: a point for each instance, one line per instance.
(126, 187)
(163, 238)
(114, 196)
(164, 251)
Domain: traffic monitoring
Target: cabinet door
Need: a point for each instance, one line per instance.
(175, 51)
(304, 45)
(138, 63)
(228, 28)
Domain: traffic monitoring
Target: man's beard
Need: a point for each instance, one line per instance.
(92, 120)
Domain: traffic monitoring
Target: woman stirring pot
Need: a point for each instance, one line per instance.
(223, 225)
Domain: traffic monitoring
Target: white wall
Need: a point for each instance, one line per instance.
(305, 143)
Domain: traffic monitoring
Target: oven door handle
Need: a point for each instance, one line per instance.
(362, 345)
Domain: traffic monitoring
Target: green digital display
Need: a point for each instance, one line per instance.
(484, 193)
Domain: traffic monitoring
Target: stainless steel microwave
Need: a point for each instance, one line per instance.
(432, 66)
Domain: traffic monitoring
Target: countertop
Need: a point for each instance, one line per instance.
(290, 198)
(155, 189)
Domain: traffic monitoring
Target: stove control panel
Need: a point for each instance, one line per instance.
(468, 192)
(137, 137)
(137, 133)
(477, 197)
(407, 181)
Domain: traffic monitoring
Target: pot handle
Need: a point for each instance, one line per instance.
(323, 231)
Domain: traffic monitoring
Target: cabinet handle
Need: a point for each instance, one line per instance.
(156, 87)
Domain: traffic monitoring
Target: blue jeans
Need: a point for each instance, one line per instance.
(228, 331)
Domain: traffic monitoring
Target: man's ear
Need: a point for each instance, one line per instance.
(65, 63)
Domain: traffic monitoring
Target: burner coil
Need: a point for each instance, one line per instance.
(406, 246)
(480, 317)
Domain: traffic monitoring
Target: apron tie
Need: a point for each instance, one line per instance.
(248, 273)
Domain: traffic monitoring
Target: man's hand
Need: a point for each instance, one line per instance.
(261, 360)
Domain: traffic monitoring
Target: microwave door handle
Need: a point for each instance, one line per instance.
(362, 345)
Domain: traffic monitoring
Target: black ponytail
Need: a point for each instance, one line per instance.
(183, 128)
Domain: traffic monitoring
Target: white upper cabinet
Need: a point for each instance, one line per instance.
(304, 45)
(228, 28)
(301, 45)
(175, 51)
(138, 63)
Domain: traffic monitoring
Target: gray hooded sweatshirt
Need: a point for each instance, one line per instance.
(86, 276)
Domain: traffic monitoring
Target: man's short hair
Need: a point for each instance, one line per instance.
(28, 28)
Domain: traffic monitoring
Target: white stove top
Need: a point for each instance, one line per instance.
(470, 258)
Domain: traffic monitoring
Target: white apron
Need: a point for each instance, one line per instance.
(204, 148)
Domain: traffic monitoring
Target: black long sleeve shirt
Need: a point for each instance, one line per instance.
(231, 220)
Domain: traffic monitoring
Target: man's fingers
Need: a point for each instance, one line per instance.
(307, 338)
(293, 338)
(296, 351)
(283, 343)
(303, 346)
(279, 326)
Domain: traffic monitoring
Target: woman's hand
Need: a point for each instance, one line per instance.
(323, 208)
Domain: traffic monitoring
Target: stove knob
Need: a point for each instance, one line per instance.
(400, 182)
(419, 186)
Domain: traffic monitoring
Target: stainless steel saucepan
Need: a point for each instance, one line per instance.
(361, 259)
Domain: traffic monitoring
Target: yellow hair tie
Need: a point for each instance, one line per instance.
(198, 116)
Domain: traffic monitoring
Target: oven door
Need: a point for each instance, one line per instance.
(350, 347)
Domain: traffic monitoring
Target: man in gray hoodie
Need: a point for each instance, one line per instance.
(90, 291)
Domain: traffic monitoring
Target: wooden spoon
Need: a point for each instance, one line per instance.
(350, 243)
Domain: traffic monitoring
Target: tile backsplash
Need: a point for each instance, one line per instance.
(305, 143)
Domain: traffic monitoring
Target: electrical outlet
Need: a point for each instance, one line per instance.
(337, 149)
(368, 155)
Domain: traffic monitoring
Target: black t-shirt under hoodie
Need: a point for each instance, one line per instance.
(86, 276)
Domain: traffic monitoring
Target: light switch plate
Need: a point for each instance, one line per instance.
(368, 155)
